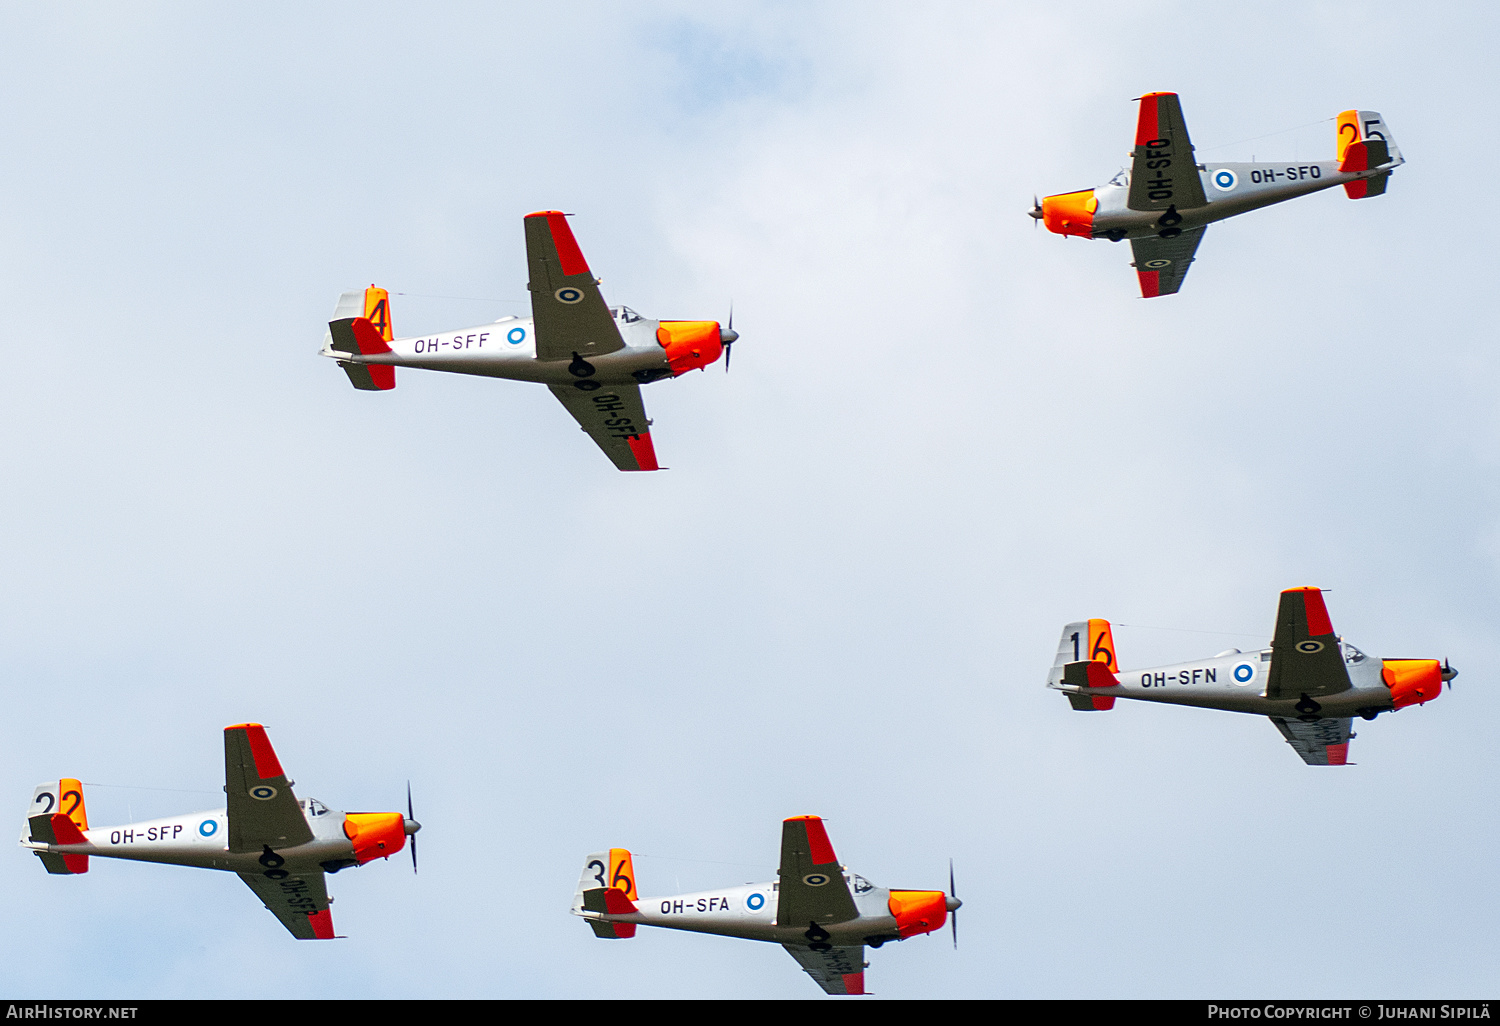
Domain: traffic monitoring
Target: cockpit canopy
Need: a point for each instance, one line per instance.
(1352, 654)
(624, 314)
(1121, 178)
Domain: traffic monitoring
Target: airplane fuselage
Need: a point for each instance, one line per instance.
(1236, 682)
(507, 349)
(201, 839)
(1229, 188)
(749, 912)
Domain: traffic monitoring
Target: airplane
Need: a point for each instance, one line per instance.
(593, 357)
(821, 913)
(281, 846)
(1310, 682)
(1165, 200)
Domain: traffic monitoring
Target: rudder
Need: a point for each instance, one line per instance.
(1365, 142)
(362, 325)
(57, 815)
(1086, 658)
(607, 885)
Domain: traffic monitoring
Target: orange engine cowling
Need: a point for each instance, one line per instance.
(375, 835)
(690, 345)
(1071, 213)
(918, 911)
(1412, 681)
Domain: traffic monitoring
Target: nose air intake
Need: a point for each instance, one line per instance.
(1414, 681)
(1069, 213)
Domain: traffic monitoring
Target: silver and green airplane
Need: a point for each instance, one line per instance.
(1166, 199)
(281, 846)
(1310, 682)
(820, 912)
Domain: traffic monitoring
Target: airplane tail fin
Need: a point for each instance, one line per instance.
(57, 815)
(1364, 143)
(1086, 658)
(362, 325)
(607, 885)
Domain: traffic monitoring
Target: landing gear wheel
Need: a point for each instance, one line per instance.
(1170, 233)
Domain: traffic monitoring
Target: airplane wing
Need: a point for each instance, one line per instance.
(1306, 660)
(1163, 172)
(1322, 742)
(1161, 264)
(263, 811)
(836, 970)
(300, 902)
(568, 311)
(813, 889)
(615, 419)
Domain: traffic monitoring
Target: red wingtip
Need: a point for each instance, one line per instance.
(266, 763)
(322, 924)
(1146, 126)
(818, 844)
(643, 451)
(1318, 623)
(569, 256)
(854, 983)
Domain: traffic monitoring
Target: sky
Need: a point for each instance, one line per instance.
(946, 434)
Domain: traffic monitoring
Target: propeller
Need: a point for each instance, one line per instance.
(1448, 673)
(1036, 210)
(727, 336)
(954, 904)
(411, 826)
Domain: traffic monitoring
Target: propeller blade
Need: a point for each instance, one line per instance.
(411, 817)
(953, 893)
(727, 336)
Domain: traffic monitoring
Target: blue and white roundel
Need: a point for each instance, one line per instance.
(515, 336)
(1224, 179)
(1244, 673)
(755, 902)
(208, 828)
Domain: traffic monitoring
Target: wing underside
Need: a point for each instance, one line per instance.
(263, 811)
(836, 970)
(1164, 172)
(615, 418)
(1162, 264)
(568, 310)
(1306, 659)
(812, 889)
(1323, 742)
(299, 900)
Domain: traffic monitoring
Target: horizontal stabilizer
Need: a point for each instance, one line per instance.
(59, 829)
(1362, 156)
(1091, 674)
(370, 377)
(1364, 188)
(610, 901)
(359, 336)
